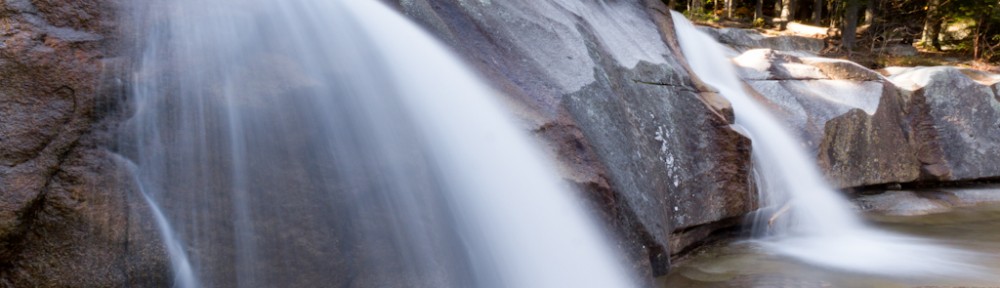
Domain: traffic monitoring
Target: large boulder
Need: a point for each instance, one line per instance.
(849, 116)
(64, 219)
(954, 120)
(604, 86)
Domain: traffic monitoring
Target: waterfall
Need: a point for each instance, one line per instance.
(819, 226)
(180, 265)
(310, 143)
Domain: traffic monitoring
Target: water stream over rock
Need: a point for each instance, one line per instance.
(805, 217)
(309, 142)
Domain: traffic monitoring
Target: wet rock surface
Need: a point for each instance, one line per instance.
(917, 124)
(600, 84)
(926, 201)
(643, 140)
(954, 120)
(849, 116)
(614, 105)
(899, 50)
(64, 219)
(748, 39)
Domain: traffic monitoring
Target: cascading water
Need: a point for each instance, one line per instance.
(183, 276)
(316, 143)
(819, 226)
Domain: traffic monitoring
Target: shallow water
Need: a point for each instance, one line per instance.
(748, 264)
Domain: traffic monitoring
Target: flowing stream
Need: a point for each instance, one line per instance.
(819, 226)
(746, 265)
(307, 143)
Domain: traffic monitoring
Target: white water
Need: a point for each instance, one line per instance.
(820, 227)
(531, 225)
(179, 263)
(311, 142)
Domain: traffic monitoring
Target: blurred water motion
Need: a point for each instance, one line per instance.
(314, 143)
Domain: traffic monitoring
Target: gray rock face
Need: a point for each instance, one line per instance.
(859, 149)
(996, 91)
(955, 122)
(599, 82)
(747, 39)
(939, 124)
(64, 219)
(904, 203)
(926, 201)
(605, 90)
(981, 77)
(848, 115)
(31, 123)
(899, 50)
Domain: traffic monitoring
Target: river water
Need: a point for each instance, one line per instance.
(748, 264)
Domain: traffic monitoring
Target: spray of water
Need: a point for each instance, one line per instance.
(303, 143)
(819, 226)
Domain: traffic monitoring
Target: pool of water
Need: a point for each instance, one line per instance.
(975, 230)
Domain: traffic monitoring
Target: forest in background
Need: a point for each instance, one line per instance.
(861, 29)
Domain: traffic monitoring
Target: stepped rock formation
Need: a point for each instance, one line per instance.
(848, 115)
(622, 115)
(742, 40)
(603, 85)
(955, 120)
(65, 220)
(924, 124)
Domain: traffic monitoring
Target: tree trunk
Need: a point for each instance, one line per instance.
(786, 10)
(850, 25)
(729, 9)
(834, 13)
(777, 7)
(977, 42)
(870, 9)
(817, 12)
(758, 12)
(672, 4)
(932, 25)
